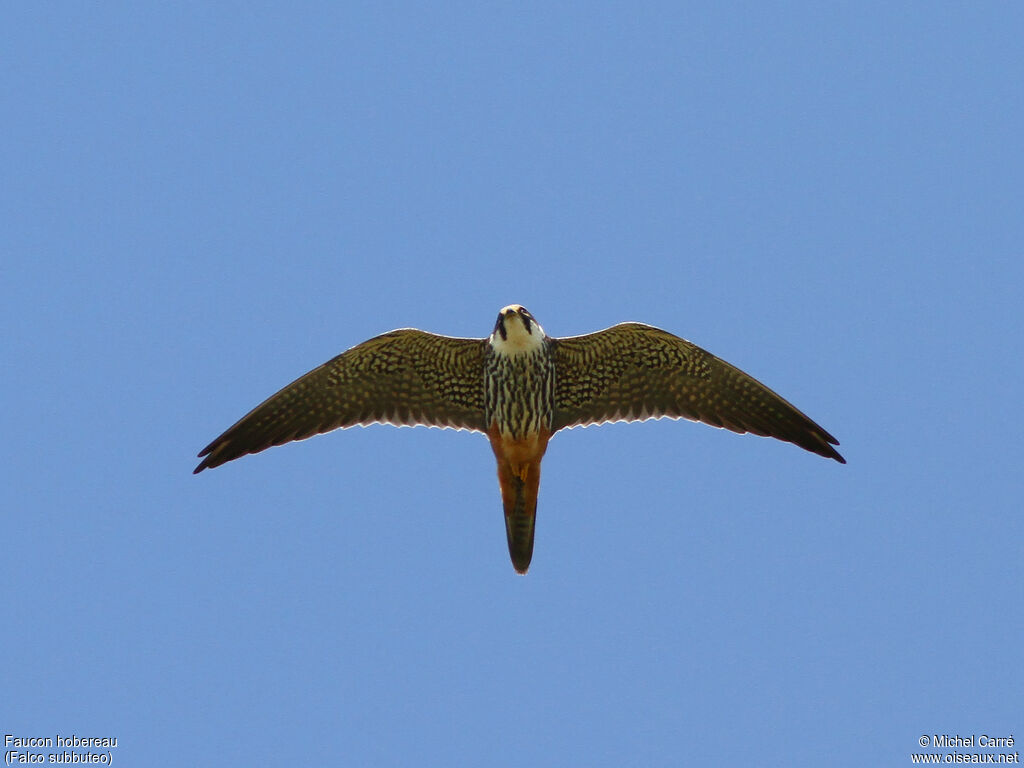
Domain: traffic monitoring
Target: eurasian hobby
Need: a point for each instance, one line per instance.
(519, 386)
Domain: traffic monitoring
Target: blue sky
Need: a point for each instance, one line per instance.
(203, 201)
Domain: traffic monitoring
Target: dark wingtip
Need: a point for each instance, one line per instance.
(832, 452)
(205, 463)
(824, 449)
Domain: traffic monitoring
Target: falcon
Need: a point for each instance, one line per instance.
(519, 386)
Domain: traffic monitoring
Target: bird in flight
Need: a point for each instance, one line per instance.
(519, 386)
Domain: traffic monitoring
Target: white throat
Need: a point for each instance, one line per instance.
(518, 340)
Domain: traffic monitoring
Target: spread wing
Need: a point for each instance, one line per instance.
(404, 377)
(633, 372)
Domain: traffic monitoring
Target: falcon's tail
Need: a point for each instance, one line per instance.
(519, 497)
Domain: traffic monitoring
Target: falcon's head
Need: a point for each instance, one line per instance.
(516, 331)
